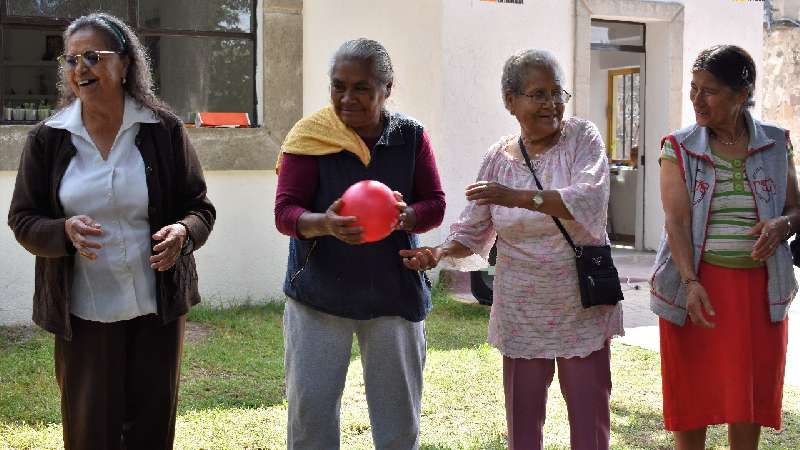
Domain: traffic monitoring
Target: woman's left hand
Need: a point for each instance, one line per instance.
(492, 193)
(407, 219)
(770, 235)
(169, 249)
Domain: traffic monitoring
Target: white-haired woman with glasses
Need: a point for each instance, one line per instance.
(537, 321)
(111, 200)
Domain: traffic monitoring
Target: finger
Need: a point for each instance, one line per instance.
(349, 230)
(163, 260)
(162, 233)
(88, 255)
(706, 304)
(696, 314)
(168, 243)
(87, 229)
(81, 243)
(477, 184)
(413, 263)
(398, 195)
(478, 188)
(341, 221)
(756, 230)
(336, 206)
(411, 252)
(702, 321)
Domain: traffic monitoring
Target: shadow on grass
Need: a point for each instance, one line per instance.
(643, 427)
(496, 443)
(638, 427)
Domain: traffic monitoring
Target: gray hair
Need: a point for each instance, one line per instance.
(519, 65)
(121, 39)
(370, 52)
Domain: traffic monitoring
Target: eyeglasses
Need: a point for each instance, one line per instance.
(90, 58)
(559, 97)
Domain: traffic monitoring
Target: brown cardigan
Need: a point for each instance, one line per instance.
(176, 191)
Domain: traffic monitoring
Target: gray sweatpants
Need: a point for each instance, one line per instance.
(317, 353)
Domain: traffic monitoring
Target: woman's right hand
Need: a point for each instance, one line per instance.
(698, 305)
(341, 227)
(78, 228)
(421, 258)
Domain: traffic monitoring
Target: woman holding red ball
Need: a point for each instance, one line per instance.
(338, 284)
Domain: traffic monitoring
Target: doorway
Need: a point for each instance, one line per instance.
(617, 80)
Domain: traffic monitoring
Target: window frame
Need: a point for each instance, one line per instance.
(611, 118)
(59, 24)
(617, 47)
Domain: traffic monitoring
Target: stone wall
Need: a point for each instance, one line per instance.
(781, 75)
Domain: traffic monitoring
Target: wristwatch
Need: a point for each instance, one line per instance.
(538, 200)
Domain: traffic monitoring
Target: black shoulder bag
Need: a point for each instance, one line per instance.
(597, 277)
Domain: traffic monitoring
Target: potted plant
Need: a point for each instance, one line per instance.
(43, 112)
(18, 113)
(30, 111)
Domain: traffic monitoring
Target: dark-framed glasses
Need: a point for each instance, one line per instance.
(558, 96)
(90, 58)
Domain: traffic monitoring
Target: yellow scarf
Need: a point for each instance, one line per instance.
(323, 133)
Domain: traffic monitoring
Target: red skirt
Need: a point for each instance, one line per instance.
(730, 373)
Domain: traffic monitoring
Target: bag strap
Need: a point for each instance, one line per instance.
(577, 250)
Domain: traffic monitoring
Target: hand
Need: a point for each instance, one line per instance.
(770, 235)
(491, 193)
(422, 258)
(169, 249)
(697, 303)
(407, 219)
(77, 228)
(341, 227)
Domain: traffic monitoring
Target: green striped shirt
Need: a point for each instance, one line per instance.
(733, 214)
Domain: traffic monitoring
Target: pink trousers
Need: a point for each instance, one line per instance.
(585, 385)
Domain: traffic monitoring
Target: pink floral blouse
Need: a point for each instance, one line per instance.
(537, 311)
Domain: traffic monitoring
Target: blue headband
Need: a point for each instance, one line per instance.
(117, 32)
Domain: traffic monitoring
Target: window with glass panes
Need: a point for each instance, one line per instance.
(203, 52)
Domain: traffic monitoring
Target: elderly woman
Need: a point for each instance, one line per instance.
(729, 191)
(111, 199)
(337, 285)
(537, 321)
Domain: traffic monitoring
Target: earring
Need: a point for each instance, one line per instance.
(124, 80)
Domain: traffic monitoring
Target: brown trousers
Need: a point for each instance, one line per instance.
(119, 383)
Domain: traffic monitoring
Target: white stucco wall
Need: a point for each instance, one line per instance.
(477, 39)
(415, 49)
(711, 22)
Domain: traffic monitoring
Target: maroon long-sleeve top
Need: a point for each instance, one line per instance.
(299, 177)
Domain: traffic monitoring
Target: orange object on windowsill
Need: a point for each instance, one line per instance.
(222, 120)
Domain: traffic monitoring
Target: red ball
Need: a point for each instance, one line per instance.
(375, 206)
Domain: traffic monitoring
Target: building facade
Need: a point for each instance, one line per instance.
(448, 56)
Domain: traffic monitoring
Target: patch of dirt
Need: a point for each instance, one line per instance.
(16, 335)
(196, 332)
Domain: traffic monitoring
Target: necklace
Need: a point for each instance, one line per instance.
(728, 143)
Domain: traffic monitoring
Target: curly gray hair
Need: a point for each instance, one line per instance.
(519, 65)
(121, 39)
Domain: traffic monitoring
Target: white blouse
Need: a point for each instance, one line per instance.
(119, 284)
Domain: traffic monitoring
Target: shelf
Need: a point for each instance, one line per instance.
(28, 96)
(30, 64)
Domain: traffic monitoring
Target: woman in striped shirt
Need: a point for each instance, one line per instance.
(729, 192)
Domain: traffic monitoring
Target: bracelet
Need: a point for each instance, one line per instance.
(788, 228)
(688, 281)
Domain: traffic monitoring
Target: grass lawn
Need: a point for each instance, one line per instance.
(232, 393)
